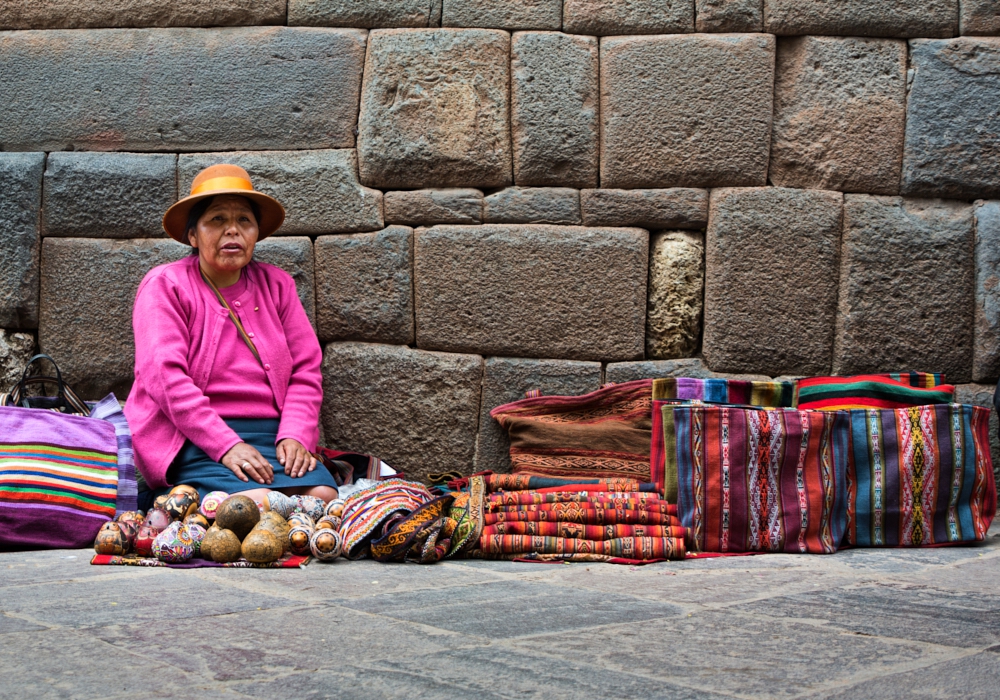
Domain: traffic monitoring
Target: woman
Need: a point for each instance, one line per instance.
(227, 366)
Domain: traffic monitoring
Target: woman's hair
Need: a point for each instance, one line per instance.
(201, 207)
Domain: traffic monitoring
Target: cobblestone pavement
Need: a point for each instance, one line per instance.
(860, 624)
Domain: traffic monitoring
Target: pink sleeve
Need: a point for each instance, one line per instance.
(162, 343)
(300, 414)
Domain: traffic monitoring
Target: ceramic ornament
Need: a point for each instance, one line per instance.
(335, 508)
(298, 539)
(325, 544)
(211, 502)
(174, 545)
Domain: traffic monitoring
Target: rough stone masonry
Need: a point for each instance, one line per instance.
(487, 197)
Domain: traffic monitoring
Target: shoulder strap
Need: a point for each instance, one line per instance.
(232, 315)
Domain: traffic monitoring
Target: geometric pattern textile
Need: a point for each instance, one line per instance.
(868, 391)
(769, 394)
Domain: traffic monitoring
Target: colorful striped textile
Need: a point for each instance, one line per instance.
(526, 482)
(287, 561)
(759, 480)
(583, 532)
(919, 476)
(653, 507)
(58, 478)
(627, 547)
(868, 391)
(367, 512)
(423, 536)
(604, 434)
(922, 380)
(576, 513)
(110, 410)
(729, 391)
(511, 498)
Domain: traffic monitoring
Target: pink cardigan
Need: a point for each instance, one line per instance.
(177, 322)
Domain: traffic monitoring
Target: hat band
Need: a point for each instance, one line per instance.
(222, 183)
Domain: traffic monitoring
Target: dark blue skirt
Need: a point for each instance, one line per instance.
(195, 468)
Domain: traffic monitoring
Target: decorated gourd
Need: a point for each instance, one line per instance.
(144, 540)
(239, 514)
(205, 551)
(197, 536)
(111, 539)
(325, 544)
(180, 505)
(310, 505)
(130, 516)
(277, 502)
(174, 545)
(211, 502)
(298, 539)
(301, 519)
(197, 519)
(327, 522)
(225, 547)
(158, 518)
(160, 500)
(335, 508)
(184, 488)
(262, 546)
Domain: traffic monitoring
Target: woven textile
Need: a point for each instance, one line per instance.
(655, 506)
(108, 409)
(605, 498)
(287, 561)
(423, 536)
(583, 532)
(467, 512)
(366, 512)
(869, 391)
(628, 547)
(756, 479)
(526, 482)
(604, 434)
(579, 513)
(730, 391)
(920, 476)
(922, 380)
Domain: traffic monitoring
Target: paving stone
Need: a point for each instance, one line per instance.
(982, 395)
(365, 289)
(553, 101)
(952, 124)
(72, 14)
(839, 114)
(415, 410)
(979, 17)
(428, 207)
(678, 207)
(728, 16)
(517, 290)
(181, 89)
(294, 255)
(907, 281)
(676, 289)
(362, 13)
(986, 336)
(319, 189)
(434, 108)
(15, 351)
(108, 195)
(533, 205)
(20, 242)
(9, 625)
(686, 111)
(892, 18)
(506, 379)
(976, 676)
(88, 289)
(606, 17)
(771, 269)
(502, 14)
(621, 372)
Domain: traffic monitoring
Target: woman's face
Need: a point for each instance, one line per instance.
(226, 234)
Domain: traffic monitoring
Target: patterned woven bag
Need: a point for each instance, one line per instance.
(919, 476)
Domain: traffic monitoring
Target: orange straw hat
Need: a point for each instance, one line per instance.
(223, 179)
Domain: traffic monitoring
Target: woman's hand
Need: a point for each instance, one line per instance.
(247, 463)
(295, 458)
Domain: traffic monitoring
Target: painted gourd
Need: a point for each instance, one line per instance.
(197, 519)
(325, 544)
(174, 545)
(158, 518)
(301, 519)
(298, 539)
(184, 488)
(180, 505)
(144, 539)
(111, 539)
(335, 508)
(238, 514)
(226, 547)
(328, 523)
(310, 505)
(160, 500)
(197, 536)
(277, 502)
(211, 502)
(262, 547)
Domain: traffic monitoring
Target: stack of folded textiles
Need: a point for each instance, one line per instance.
(592, 520)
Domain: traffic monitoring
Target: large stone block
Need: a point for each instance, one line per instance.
(686, 111)
(20, 204)
(531, 291)
(507, 379)
(553, 102)
(365, 289)
(982, 395)
(771, 264)
(502, 14)
(728, 15)
(892, 18)
(906, 287)
(319, 189)
(434, 108)
(369, 14)
(416, 410)
(108, 195)
(621, 372)
(606, 17)
(294, 255)
(533, 205)
(73, 14)
(676, 290)
(15, 351)
(839, 114)
(986, 336)
(952, 122)
(429, 207)
(979, 17)
(180, 89)
(679, 207)
(87, 293)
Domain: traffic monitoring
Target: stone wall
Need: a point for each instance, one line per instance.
(491, 196)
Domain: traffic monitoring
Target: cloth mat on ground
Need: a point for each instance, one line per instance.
(288, 561)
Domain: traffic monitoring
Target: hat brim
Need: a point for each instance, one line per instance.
(272, 214)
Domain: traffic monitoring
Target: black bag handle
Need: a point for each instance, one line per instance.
(68, 398)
